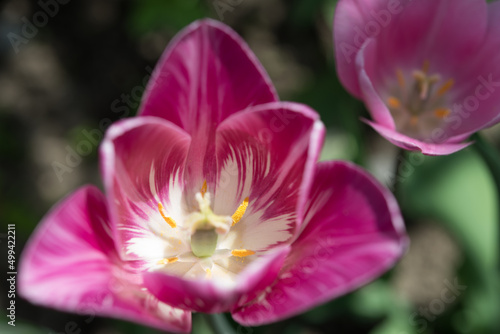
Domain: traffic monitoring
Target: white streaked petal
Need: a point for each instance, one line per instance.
(256, 234)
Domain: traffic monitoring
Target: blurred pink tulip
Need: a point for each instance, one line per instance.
(428, 71)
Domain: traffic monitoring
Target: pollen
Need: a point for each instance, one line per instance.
(401, 78)
(445, 87)
(204, 188)
(240, 211)
(169, 220)
(242, 252)
(442, 113)
(209, 273)
(167, 261)
(394, 102)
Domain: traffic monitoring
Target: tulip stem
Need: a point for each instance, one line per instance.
(219, 324)
(491, 157)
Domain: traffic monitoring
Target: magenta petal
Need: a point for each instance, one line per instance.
(143, 162)
(206, 74)
(70, 263)
(351, 16)
(479, 81)
(353, 233)
(212, 296)
(267, 154)
(366, 66)
(412, 144)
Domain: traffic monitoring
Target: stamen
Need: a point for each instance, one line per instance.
(240, 211)
(169, 220)
(442, 113)
(394, 102)
(426, 66)
(401, 78)
(242, 252)
(413, 120)
(204, 188)
(446, 87)
(167, 261)
(209, 273)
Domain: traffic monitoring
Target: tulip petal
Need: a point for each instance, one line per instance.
(412, 144)
(408, 33)
(366, 65)
(143, 163)
(351, 17)
(267, 154)
(70, 263)
(353, 232)
(212, 296)
(206, 74)
(478, 81)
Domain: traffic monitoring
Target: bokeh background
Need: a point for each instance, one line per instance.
(86, 67)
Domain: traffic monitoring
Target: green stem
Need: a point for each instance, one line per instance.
(491, 157)
(219, 324)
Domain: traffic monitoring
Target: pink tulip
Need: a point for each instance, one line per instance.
(214, 202)
(428, 71)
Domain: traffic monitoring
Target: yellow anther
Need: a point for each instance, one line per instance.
(242, 252)
(204, 188)
(394, 102)
(167, 261)
(426, 66)
(442, 113)
(413, 120)
(209, 273)
(446, 87)
(401, 78)
(169, 220)
(240, 211)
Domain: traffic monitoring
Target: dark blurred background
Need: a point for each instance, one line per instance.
(84, 67)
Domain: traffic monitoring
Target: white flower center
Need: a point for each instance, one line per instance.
(200, 230)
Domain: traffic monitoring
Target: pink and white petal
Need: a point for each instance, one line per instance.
(267, 154)
(143, 163)
(411, 144)
(353, 233)
(70, 264)
(217, 294)
(206, 74)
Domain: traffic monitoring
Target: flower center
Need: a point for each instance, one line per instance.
(418, 102)
(203, 228)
